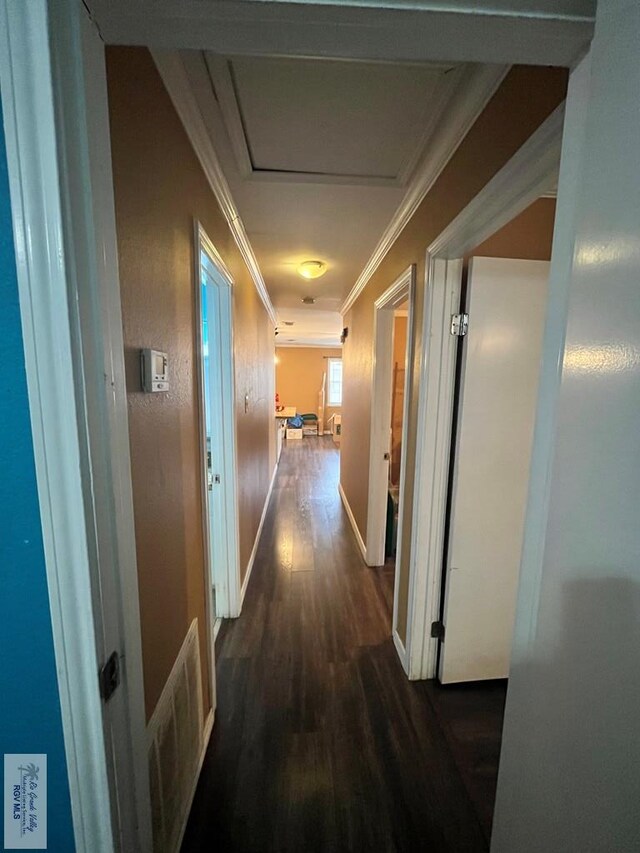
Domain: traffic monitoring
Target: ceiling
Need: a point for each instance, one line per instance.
(302, 327)
(318, 155)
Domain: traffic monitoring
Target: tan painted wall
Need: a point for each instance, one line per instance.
(159, 190)
(525, 98)
(528, 236)
(299, 376)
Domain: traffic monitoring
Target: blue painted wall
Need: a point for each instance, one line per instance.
(29, 702)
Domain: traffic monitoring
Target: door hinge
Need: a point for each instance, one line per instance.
(459, 325)
(109, 676)
(437, 630)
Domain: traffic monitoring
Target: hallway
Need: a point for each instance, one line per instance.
(320, 742)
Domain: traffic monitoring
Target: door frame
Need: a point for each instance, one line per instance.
(531, 173)
(44, 117)
(66, 258)
(402, 289)
(225, 569)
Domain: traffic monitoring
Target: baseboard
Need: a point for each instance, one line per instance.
(254, 550)
(352, 519)
(401, 650)
(206, 735)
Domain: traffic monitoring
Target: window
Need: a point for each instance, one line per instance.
(335, 382)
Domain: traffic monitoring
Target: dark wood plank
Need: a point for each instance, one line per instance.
(320, 741)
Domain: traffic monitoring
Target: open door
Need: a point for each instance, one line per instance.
(497, 397)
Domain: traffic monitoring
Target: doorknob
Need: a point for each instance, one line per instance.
(387, 457)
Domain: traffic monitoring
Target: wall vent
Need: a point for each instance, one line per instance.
(175, 738)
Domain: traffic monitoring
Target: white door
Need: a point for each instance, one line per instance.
(498, 390)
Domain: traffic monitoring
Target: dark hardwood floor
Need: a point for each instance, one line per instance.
(320, 742)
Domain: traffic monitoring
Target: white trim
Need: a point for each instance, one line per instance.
(397, 293)
(206, 737)
(532, 169)
(560, 276)
(206, 243)
(256, 542)
(223, 543)
(389, 30)
(474, 90)
(435, 410)
(49, 157)
(177, 84)
(400, 649)
(209, 606)
(225, 93)
(352, 520)
(30, 130)
(109, 438)
(403, 288)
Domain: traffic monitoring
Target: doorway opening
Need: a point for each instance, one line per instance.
(500, 291)
(217, 426)
(392, 357)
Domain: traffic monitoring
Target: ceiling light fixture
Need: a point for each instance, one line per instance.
(312, 269)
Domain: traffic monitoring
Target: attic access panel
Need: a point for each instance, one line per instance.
(328, 118)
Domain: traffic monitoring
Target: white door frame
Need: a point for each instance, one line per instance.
(223, 543)
(402, 289)
(56, 127)
(529, 174)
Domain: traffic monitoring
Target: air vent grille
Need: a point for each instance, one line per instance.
(175, 737)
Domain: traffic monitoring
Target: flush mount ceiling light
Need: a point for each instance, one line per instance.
(309, 300)
(312, 269)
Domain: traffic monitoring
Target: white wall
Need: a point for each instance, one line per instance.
(569, 775)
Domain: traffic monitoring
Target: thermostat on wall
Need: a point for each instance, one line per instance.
(154, 364)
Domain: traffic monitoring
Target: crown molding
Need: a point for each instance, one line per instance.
(177, 84)
(474, 89)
